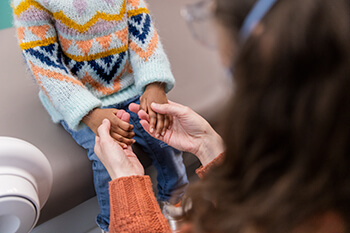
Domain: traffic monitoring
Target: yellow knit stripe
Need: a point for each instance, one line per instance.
(97, 55)
(32, 44)
(99, 15)
(27, 4)
(137, 12)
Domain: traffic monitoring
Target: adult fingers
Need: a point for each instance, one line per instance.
(129, 148)
(143, 115)
(145, 124)
(135, 108)
(171, 108)
(123, 145)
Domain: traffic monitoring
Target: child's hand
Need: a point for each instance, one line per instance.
(159, 123)
(118, 162)
(120, 130)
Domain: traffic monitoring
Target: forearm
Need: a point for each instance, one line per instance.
(134, 207)
(211, 146)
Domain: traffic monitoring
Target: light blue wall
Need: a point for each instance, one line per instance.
(5, 14)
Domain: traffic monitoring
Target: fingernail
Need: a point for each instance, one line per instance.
(157, 135)
(163, 133)
(151, 130)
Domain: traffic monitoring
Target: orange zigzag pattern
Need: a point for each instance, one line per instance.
(39, 31)
(151, 47)
(51, 74)
(134, 3)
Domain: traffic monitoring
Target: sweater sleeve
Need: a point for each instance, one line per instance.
(148, 59)
(202, 171)
(43, 54)
(134, 207)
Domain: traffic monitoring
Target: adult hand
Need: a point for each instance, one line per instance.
(121, 130)
(154, 93)
(189, 131)
(118, 162)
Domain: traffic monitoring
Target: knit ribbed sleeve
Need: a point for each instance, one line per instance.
(134, 207)
(148, 59)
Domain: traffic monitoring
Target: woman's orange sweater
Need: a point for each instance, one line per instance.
(134, 207)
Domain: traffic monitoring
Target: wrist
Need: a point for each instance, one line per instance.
(156, 85)
(211, 146)
(119, 174)
(89, 119)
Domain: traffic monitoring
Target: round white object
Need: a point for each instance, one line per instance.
(25, 185)
(17, 215)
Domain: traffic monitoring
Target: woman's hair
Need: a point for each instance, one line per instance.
(288, 130)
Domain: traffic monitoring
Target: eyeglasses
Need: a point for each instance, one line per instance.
(201, 21)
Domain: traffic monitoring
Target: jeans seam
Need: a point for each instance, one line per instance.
(142, 132)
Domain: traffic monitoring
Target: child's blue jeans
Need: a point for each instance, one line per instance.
(171, 178)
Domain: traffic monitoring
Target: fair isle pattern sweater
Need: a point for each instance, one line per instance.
(89, 53)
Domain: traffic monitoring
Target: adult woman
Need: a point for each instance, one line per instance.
(285, 167)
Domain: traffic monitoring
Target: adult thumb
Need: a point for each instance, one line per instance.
(171, 108)
(103, 129)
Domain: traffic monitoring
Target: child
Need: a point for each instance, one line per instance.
(91, 58)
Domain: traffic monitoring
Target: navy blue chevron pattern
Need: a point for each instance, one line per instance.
(106, 68)
(142, 21)
(109, 67)
(50, 55)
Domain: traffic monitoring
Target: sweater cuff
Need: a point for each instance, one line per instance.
(133, 203)
(78, 106)
(202, 171)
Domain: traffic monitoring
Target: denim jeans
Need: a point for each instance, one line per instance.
(171, 173)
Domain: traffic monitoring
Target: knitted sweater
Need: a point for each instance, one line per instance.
(89, 53)
(134, 207)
